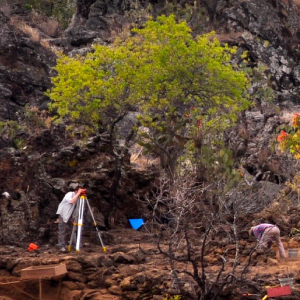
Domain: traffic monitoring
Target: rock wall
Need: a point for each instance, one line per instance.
(25, 70)
(267, 29)
(37, 177)
(34, 178)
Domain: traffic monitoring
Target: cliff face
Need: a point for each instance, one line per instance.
(25, 70)
(269, 30)
(38, 175)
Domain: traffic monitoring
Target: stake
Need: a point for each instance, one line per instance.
(40, 288)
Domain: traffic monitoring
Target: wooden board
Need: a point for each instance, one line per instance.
(45, 271)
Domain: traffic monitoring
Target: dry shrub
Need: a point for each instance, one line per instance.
(35, 120)
(297, 2)
(120, 28)
(232, 36)
(263, 156)
(5, 9)
(140, 160)
(47, 25)
(287, 2)
(122, 33)
(46, 44)
(34, 34)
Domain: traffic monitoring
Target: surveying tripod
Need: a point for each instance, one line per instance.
(78, 223)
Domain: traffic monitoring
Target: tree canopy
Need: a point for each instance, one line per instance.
(185, 90)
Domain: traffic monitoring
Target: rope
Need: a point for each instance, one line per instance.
(4, 283)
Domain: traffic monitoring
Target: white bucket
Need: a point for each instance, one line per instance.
(293, 252)
(286, 281)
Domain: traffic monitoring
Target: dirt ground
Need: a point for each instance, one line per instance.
(267, 270)
(23, 290)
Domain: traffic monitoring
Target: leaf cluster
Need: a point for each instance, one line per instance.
(290, 142)
(61, 10)
(184, 89)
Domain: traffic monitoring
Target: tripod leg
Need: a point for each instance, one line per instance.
(72, 235)
(74, 229)
(95, 224)
(80, 221)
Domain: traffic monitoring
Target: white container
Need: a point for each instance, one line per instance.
(286, 281)
(293, 252)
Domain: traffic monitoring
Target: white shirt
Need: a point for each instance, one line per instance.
(65, 208)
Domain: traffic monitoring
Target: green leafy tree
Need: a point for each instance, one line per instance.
(185, 89)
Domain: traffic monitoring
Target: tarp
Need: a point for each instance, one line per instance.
(136, 223)
(279, 291)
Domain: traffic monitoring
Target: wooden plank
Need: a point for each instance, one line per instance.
(45, 271)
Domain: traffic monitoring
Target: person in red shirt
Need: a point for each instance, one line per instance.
(266, 234)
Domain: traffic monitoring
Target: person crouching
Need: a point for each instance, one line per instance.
(266, 234)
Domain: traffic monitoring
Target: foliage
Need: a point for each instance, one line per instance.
(198, 14)
(261, 89)
(294, 185)
(62, 10)
(8, 129)
(35, 120)
(290, 142)
(19, 143)
(137, 13)
(176, 297)
(185, 90)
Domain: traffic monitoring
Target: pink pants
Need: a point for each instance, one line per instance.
(270, 235)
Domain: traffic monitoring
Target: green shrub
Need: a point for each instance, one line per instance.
(175, 297)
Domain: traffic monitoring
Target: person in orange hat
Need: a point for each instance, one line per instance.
(266, 234)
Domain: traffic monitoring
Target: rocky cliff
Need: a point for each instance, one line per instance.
(266, 29)
(37, 173)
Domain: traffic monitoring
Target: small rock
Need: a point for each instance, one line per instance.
(272, 261)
